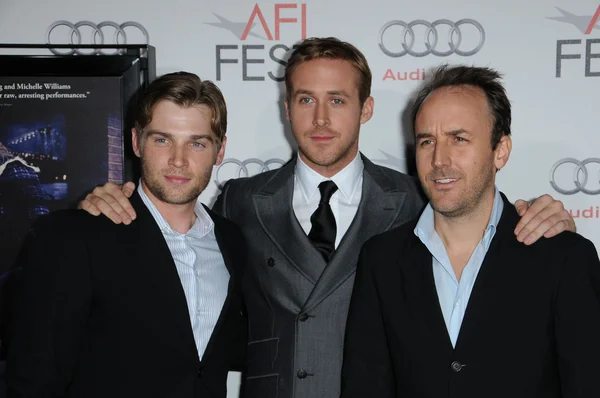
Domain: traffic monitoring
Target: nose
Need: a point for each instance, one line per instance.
(321, 116)
(178, 157)
(441, 156)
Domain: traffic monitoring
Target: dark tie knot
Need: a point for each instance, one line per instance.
(327, 189)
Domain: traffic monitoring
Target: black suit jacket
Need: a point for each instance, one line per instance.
(531, 328)
(101, 313)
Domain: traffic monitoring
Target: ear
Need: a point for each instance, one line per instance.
(502, 152)
(287, 110)
(367, 110)
(135, 143)
(221, 152)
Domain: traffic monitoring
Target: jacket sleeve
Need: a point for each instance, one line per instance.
(577, 322)
(367, 369)
(52, 304)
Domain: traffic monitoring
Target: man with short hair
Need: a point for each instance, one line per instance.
(450, 304)
(152, 310)
(305, 224)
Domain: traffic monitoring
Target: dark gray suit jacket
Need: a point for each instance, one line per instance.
(297, 304)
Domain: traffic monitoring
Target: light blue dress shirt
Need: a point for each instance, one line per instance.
(452, 293)
(201, 268)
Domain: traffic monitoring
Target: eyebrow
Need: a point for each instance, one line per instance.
(329, 92)
(421, 136)
(192, 137)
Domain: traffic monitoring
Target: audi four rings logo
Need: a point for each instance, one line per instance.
(581, 176)
(234, 168)
(432, 41)
(99, 35)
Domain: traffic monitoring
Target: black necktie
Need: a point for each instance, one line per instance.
(323, 231)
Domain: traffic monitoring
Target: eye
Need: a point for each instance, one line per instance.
(337, 101)
(426, 142)
(198, 145)
(460, 139)
(305, 100)
(161, 140)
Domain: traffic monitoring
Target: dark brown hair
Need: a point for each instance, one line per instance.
(486, 79)
(330, 48)
(185, 90)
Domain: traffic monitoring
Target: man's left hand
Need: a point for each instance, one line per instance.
(544, 217)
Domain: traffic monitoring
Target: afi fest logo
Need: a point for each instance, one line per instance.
(576, 48)
(265, 22)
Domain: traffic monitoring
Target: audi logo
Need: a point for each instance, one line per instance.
(99, 35)
(580, 176)
(235, 168)
(432, 40)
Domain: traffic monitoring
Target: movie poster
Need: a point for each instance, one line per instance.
(59, 138)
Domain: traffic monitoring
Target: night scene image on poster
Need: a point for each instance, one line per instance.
(59, 138)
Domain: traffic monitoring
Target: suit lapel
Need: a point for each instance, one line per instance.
(496, 267)
(274, 209)
(379, 207)
(227, 252)
(420, 290)
(157, 266)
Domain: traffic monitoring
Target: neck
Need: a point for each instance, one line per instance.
(179, 217)
(461, 234)
(466, 228)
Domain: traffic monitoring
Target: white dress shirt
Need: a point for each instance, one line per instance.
(201, 268)
(344, 202)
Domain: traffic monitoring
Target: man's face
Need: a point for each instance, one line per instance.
(178, 151)
(455, 160)
(325, 113)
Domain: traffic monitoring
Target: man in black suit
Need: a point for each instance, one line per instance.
(306, 222)
(104, 310)
(450, 304)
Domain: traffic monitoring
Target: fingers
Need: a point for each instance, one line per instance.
(88, 206)
(128, 189)
(111, 201)
(521, 206)
(530, 211)
(545, 217)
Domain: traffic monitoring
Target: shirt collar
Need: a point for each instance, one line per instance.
(202, 226)
(425, 230)
(347, 179)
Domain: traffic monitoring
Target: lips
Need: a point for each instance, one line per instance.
(321, 138)
(177, 179)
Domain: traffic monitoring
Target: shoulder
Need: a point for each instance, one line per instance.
(73, 224)
(250, 184)
(222, 222)
(567, 244)
(392, 180)
(398, 238)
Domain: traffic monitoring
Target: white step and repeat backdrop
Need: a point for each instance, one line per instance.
(549, 52)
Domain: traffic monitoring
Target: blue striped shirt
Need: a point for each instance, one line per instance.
(452, 293)
(201, 269)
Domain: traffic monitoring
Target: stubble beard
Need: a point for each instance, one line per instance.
(470, 199)
(328, 157)
(175, 196)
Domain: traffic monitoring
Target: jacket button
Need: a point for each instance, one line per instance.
(200, 372)
(271, 262)
(303, 317)
(302, 374)
(456, 366)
